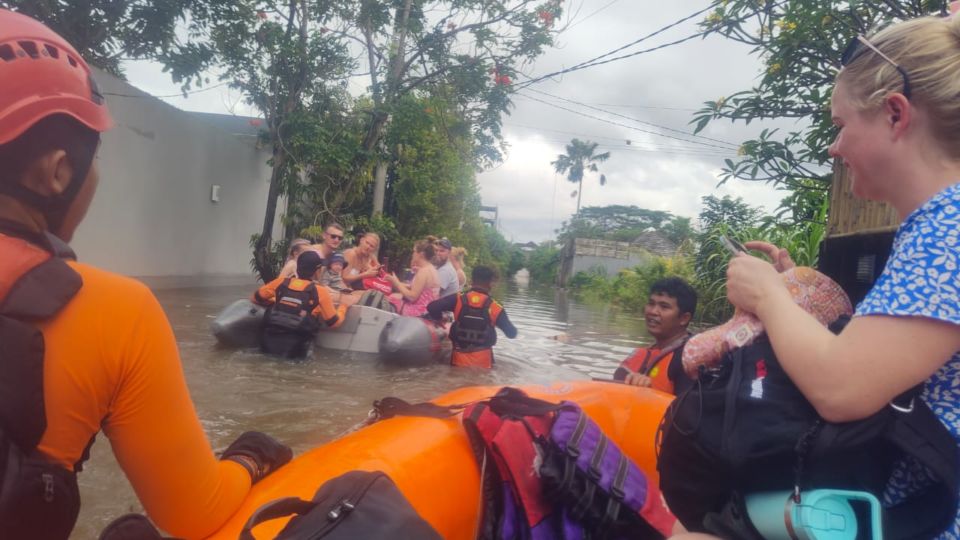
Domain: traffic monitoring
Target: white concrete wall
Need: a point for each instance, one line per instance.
(152, 214)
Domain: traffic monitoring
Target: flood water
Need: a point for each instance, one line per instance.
(308, 403)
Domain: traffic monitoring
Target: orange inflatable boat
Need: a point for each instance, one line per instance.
(431, 462)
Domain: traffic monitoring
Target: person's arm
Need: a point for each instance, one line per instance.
(289, 269)
(156, 435)
(413, 291)
(845, 377)
(504, 324)
(267, 294)
(326, 312)
(347, 274)
(436, 308)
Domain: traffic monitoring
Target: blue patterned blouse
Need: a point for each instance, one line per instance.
(922, 278)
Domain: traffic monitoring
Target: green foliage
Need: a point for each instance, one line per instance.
(630, 288)
(544, 263)
(579, 159)
(105, 32)
(799, 43)
(801, 237)
(624, 223)
(276, 255)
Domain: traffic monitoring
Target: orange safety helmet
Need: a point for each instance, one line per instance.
(41, 75)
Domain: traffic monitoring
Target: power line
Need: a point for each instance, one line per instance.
(575, 23)
(637, 120)
(182, 94)
(623, 143)
(561, 107)
(593, 61)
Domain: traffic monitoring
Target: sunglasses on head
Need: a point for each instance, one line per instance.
(858, 45)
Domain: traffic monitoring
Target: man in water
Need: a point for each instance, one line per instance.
(669, 310)
(295, 308)
(449, 282)
(476, 317)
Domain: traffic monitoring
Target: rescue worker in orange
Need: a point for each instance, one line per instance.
(670, 308)
(296, 307)
(476, 316)
(81, 349)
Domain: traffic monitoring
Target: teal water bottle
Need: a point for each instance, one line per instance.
(822, 514)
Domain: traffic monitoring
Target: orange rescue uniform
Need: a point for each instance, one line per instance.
(325, 310)
(659, 375)
(112, 363)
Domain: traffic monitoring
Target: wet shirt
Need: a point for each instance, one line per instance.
(921, 279)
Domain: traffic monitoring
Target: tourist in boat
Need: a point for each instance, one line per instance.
(458, 257)
(332, 279)
(362, 262)
(297, 247)
(107, 358)
(670, 307)
(895, 105)
(413, 299)
(447, 273)
(332, 238)
(476, 317)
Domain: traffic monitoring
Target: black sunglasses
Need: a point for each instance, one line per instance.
(335, 236)
(854, 50)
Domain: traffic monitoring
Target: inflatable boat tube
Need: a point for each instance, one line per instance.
(398, 340)
(238, 325)
(431, 462)
(412, 341)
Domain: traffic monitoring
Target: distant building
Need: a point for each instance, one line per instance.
(586, 254)
(526, 248)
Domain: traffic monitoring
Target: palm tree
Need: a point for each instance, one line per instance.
(578, 159)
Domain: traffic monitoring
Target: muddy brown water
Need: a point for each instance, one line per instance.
(309, 403)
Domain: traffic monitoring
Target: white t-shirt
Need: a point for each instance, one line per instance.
(449, 284)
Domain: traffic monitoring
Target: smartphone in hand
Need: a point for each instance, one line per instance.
(732, 245)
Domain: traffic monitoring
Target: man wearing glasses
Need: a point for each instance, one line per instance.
(332, 237)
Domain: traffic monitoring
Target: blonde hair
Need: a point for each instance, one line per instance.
(928, 49)
(459, 253)
(299, 242)
(375, 236)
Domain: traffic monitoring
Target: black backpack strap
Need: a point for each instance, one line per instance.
(273, 510)
(514, 402)
(922, 437)
(389, 407)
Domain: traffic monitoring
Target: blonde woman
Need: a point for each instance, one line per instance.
(895, 104)
(362, 261)
(297, 247)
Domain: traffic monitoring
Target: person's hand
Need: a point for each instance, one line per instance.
(637, 379)
(780, 257)
(751, 282)
(259, 453)
(371, 273)
(392, 278)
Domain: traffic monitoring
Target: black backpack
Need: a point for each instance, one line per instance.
(357, 504)
(746, 428)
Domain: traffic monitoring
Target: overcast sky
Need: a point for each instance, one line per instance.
(662, 88)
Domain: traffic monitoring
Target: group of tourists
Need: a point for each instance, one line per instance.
(85, 350)
(318, 282)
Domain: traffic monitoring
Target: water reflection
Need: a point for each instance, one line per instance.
(308, 403)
